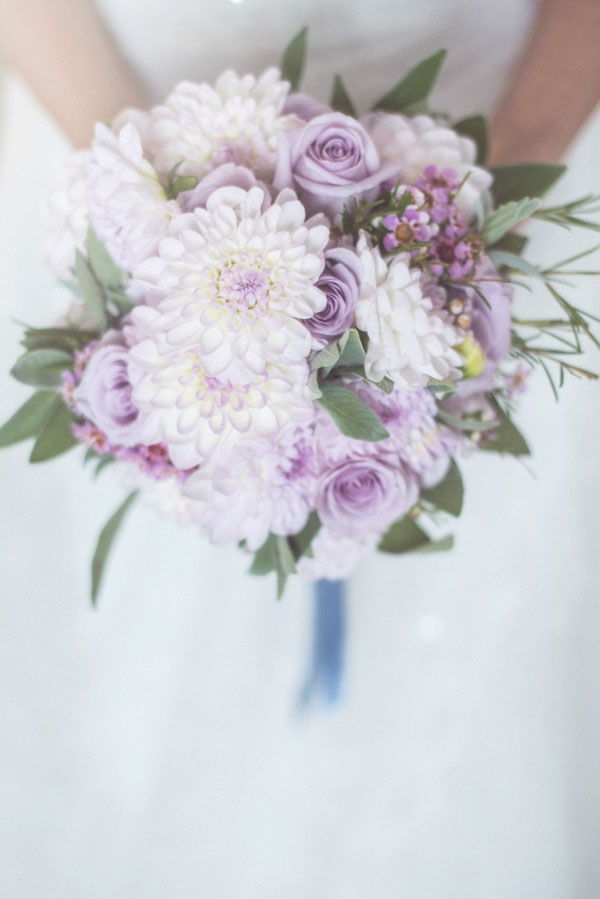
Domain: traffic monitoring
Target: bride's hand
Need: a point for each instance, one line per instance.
(64, 52)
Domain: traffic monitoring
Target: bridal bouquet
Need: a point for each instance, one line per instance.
(287, 322)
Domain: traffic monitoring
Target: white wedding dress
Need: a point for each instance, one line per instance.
(152, 748)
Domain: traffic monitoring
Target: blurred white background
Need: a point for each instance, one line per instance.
(152, 748)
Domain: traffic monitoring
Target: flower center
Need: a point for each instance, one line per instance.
(243, 287)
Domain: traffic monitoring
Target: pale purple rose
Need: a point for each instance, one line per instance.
(227, 175)
(304, 106)
(339, 282)
(104, 395)
(364, 493)
(328, 162)
(491, 325)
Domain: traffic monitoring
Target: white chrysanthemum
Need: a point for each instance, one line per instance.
(263, 487)
(233, 283)
(128, 206)
(198, 415)
(334, 557)
(203, 127)
(164, 495)
(66, 216)
(409, 340)
(421, 141)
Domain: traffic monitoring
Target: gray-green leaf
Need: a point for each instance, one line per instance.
(351, 415)
(448, 494)
(465, 424)
(505, 439)
(514, 262)
(91, 290)
(183, 183)
(294, 58)
(56, 436)
(340, 100)
(415, 87)
(506, 216)
(42, 368)
(29, 419)
(475, 127)
(101, 263)
(515, 182)
(404, 536)
(301, 541)
(105, 542)
(352, 351)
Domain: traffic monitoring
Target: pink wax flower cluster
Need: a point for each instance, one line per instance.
(288, 314)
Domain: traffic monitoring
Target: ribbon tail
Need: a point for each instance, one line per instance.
(326, 667)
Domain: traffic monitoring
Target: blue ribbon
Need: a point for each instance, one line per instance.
(325, 673)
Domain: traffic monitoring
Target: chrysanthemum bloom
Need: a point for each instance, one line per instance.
(128, 206)
(65, 214)
(264, 486)
(410, 340)
(201, 127)
(419, 142)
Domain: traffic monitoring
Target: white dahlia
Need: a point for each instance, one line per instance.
(409, 340)
(203, 127)
(232, 283)
(66, 217)
(197, 414)
(128, 206)
(264, 487)
(421, 141)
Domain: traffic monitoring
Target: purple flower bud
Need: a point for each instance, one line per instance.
(329, 161)
(227, 175)
(491, 325)
(104, 395)
(366, 493)
(339, 282)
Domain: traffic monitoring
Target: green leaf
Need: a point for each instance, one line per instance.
(107, 273)
(512, 243)
(29, 419)
(440, 389)
(530, 179)
(104, 460)
(184, 182)
(352, 352)
(56, 436)
(105, 542)
(65, 339)
(42, 368)
(264, 559)
(414, 87)
(436, 546)
(403, 537)
(448, 494)
(514, 262)
(91, 291)
(475, 127)
(386, 384)
(351, 415)
(506, 216)
(301, 541)
(465, 424)
(285, 561)
(326, 358)
(505, 439)
(340, 99)
(293, 59)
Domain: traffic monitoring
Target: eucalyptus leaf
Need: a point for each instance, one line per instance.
(91, 290)
(449, 493)
(65, 339)
(294, 58)
(351, 415)
(352, 352)
(530, 179)
(42, 368)
(404, 536)
(514, 262)
(414, 87)
(506, 216)
(29, 419)
(475, 127)
(465, 424)
(55, 436)
(105, 542)
(104, 269)
(340, 99)
(326, 358)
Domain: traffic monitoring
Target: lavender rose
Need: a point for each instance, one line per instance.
(227, 175)
(364, 491)
(328, 161)
(304, 107)
(491, 325)
(339, 282)
(104, 395)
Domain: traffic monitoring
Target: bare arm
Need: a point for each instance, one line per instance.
(69, 60)
(555, 86)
